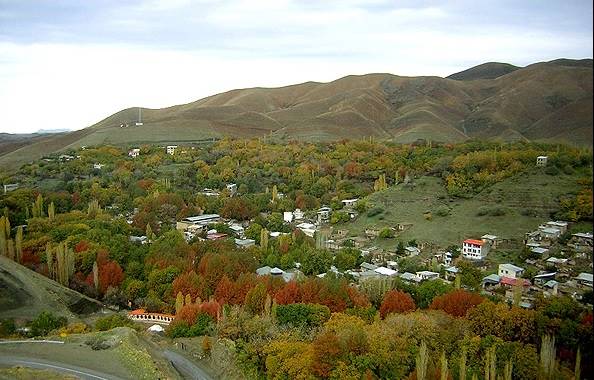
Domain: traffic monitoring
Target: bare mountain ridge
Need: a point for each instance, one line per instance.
(550, 101)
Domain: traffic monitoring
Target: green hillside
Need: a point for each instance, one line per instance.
(526, 200)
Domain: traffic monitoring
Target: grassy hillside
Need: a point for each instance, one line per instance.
(527, 200)
(24, 294)
(543, 102)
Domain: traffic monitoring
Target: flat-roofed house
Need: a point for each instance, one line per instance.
(474, 249)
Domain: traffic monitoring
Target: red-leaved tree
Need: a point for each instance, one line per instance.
(457, 302)
(396, 301)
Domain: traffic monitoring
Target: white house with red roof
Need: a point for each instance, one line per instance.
(474, 249)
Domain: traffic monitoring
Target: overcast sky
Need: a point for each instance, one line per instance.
(69, 64)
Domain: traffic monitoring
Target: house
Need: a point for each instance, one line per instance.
(386, 271)
(542, 160)
(307, 228)
(232, 188)
(135, 152)
(98, 166)
(412, 251)
(451, 273)
(209, 192)
(216, 236)
(10, 187)
(298, 214)
(170, 149)
(368, 266)
(511, 282)
(372, 233)
(539, 250)
(287, 216)
(550, 233)
(491, 281)
(492, 240)
(244, 243)
(427, 275)
(559, 224)
(542, 278)
(410, 277)
(203, 220)
(556, 261)
(403, 226)
(138, 239)
(551, 287)
(349, 203)
(237, 230)
(582, 243)
(584, 279)
(277, 272)
(324, 214)
(141, 315)
(474, 249)
(510, 270)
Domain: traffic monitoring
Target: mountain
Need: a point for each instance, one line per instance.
(489, 70)
(547, 101)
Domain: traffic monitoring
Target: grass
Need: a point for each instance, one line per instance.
(20, 373)
(408, 204)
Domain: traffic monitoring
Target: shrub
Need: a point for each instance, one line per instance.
(182, 329)
(7, 327)
(491, 211)
(375, 211)
(112, 321)
(443, 211)
(386, 233)
(299, 314)
(46, 322)
(74, 328)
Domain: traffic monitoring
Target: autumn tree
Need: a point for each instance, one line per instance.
(396, 301)
(456, 303)
(326, 352)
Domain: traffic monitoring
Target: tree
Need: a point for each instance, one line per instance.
(457, 302)
(110, 275)
(396, 301)
(547, 368)
(428, 290)
(326, 351)
(51, 211)
(96, 275)
(255, 299)
(421, 362)
(264, 239)
(19, 244)
(179, 302)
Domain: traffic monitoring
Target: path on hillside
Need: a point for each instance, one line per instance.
(83, 373)
(186, 368)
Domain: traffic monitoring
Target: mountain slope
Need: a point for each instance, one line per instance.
(544, 101)
(489, 70)
(25, 293)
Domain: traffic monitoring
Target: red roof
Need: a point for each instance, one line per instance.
(474, 241)
(137, 312)
(216, 236)
(513, 281)
(142, 311)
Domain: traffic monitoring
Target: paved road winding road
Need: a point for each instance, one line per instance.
(83, 373)
(186, 368)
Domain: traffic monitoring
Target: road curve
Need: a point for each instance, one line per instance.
(186, 368)
(83, 373)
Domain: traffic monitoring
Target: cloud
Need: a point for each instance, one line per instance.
(68, 64)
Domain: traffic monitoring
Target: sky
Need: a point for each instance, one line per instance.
(71, 63)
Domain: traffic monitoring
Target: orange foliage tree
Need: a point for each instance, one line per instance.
(396, 301)
(110, 275)
(457, 302)
(189, 283)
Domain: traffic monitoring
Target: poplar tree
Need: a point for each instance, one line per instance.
(96, 275)
(264, 239)
(19, 244)
(51, 211)
(421, 362)
(179, 302)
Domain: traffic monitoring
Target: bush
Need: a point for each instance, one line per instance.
(375, 211)
(443, 211)
(182, 329)
(113, 321)
(74, 328)
(491, 211)
(386, 233)
(299, 314)
(46, 322)
(7, 328)
(551, 170)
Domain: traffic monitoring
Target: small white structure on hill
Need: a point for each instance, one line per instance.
(135, 152)
(170, 149)
(542, 160)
